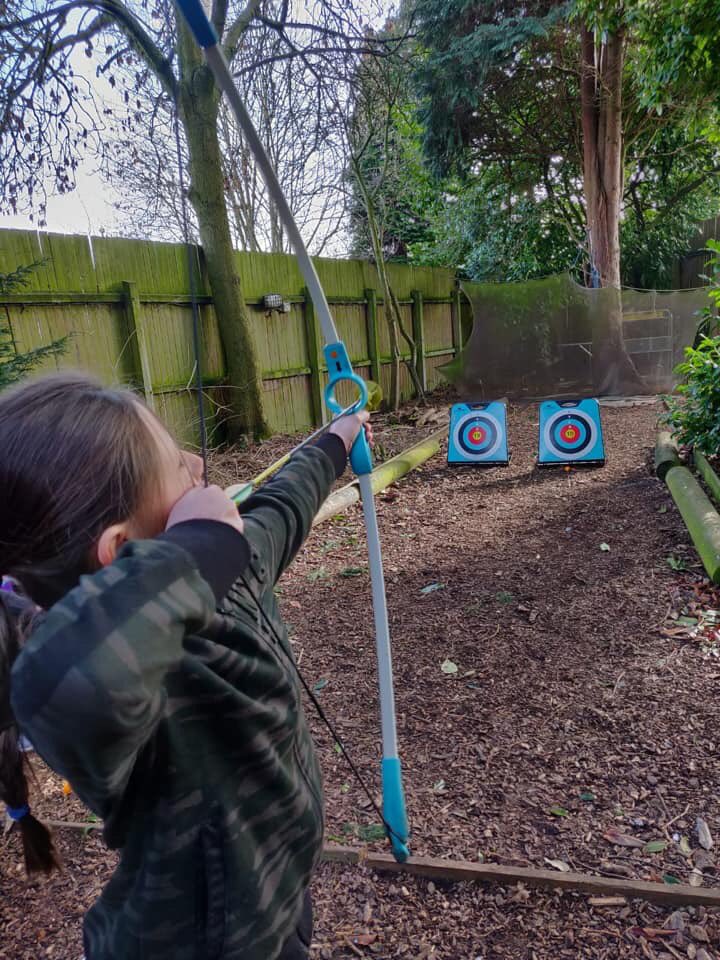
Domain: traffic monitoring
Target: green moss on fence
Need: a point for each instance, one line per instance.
(126, 302)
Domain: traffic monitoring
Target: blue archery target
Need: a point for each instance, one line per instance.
(570, 433)
(478, 433)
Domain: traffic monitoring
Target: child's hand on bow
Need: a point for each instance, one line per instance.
(347, 428)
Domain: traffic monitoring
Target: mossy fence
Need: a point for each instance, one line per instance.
(127, 307)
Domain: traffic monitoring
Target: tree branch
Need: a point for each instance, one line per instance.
(239, 27)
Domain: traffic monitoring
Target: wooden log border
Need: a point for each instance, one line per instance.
(457, 871)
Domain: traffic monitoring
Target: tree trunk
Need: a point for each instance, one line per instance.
(601, 102)
(198, 105)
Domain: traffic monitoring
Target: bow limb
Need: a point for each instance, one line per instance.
(339, 370)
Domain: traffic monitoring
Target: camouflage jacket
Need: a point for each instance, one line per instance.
(176, 716)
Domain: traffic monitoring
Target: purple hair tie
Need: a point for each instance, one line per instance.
(17, 813)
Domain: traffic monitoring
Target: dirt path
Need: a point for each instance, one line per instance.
(570, 715)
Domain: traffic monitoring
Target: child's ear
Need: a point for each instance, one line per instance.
(110, 543)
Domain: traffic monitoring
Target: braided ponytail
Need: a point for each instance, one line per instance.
(38, 848)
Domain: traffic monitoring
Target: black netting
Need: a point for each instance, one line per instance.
(554, 337)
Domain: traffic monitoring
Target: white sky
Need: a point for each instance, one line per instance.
(87, 210)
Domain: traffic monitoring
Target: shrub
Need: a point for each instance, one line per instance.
(694, 417)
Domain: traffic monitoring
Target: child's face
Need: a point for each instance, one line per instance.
(179, 472)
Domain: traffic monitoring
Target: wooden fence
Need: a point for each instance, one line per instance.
(692, 267)
(127, 307)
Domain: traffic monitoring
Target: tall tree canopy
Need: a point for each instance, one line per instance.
(560, 102)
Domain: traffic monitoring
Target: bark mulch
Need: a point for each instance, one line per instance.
(556, 660)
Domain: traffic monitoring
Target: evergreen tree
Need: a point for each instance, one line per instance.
(13, 365)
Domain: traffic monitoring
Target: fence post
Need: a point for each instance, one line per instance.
(315, 354)
(419, 336)
(373, 336)
(456, 311)
(133, 312)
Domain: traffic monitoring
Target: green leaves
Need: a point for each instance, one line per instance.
(695, 418)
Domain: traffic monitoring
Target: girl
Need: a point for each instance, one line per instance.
(158, 677)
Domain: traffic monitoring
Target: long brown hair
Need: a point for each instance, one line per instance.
(75, 458)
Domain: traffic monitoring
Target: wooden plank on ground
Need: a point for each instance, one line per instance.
(464, 870)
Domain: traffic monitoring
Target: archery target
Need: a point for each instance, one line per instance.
(477, 434)
(571, 433)
(568, 434)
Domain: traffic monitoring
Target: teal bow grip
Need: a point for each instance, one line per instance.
(394, 811)
(197, 20)
(339, 370)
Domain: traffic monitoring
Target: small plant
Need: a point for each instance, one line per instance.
(708, 326)
(695, 417)
(14, 365)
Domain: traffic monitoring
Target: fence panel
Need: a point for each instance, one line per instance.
(126, 305)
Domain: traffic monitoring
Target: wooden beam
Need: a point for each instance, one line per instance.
(373, 335)
(383, 475)
(418, 326)
(456, 314)
(137, 326)
(457, 870)
(432, 868)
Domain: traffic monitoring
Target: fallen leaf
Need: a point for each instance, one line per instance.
(685, 848)
(703, 860)
(447, 666)
(655, 846)
(703, 834)
(698, 933)
(605, 547)
(588, 796)
(320, 685)
(622, 839)
(559, 865)
(431, 587)
(365, 939)
(558, 811)
(670, 878)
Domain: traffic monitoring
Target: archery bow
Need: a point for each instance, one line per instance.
(339, 370)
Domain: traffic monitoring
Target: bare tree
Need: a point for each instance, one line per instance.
(378, 95)
(48, 114)
(300, 142)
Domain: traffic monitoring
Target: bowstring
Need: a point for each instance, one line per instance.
(193, 301)
(321, 713)
(204, 452)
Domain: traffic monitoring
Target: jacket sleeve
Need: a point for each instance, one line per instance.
(87, 689)
(279, 516)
